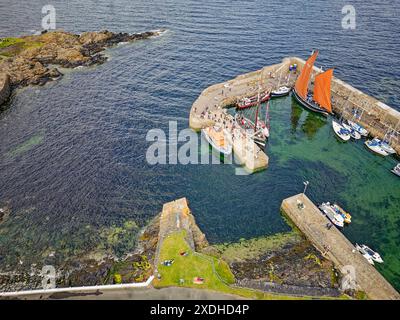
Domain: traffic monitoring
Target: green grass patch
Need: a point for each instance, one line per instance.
(6, 42)
(10, 47)
(215, 272)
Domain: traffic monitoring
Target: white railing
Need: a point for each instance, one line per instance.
(75, 289)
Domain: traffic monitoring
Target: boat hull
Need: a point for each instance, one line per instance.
(226, 151)
(279, 94)
(388, 148)
(362, 131)
(334, 217)
(338, 129)
(254, 101)
(376, 149)
(353, 133)
(308, 105)
(397, 173)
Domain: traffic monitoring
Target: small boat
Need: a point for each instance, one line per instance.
(216, 137)
(361, 130)
(320, 100)
(386, 146)
(367, 250)
(246, 123)
(281, 92)
(365, 254)
(353, 133)
(396, 170)
(332, 215)
(340, 131)
(346, 216)
(253, 101)
(375, 146)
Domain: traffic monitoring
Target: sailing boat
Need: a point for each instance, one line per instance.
(357, 127)
(340, 131)
(253, 101)
(259, 127)
(385, 144)
(375, 146)
(321, 100)
(396, 170)
(216, 136)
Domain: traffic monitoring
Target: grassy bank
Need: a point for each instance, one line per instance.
(10, 47)
(215, 272)
(253, 248)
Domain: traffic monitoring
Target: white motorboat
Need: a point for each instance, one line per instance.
(216, 137)
(396, 170)
(340, 131)
(365, 254)
(336, 218)
(386, 146)
(367, 250)
(375, 146)
(353, 133)
(361, 130)
(280, 92)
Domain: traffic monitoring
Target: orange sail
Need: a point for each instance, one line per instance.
(302, 81)
(322, 90)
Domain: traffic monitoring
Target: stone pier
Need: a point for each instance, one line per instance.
(377, 117)
(310, 221)
(176, 216)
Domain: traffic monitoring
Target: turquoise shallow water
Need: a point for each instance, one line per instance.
(72, 153)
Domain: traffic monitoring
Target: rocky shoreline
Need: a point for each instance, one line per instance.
(88, 270)
(33, 60)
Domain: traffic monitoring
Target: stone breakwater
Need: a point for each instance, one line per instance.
(377, 117)
(33, 60)
(208, 109)
(334, 245)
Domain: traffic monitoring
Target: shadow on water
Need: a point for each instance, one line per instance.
(312, 124)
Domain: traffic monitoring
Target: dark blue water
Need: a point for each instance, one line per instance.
(72, 153)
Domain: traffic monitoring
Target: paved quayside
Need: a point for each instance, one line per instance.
(344, 255)
(214, 99)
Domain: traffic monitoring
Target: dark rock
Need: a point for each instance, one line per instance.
(30, 67)
(5, 90)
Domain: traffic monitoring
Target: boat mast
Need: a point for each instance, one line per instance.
(258, 107)
(279, 81)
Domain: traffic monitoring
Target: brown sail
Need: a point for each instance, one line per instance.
(322, 90)
(302, 81)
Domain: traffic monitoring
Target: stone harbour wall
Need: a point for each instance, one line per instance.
(377, 117)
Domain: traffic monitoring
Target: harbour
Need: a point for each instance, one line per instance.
(73, 171)
(347, 103)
